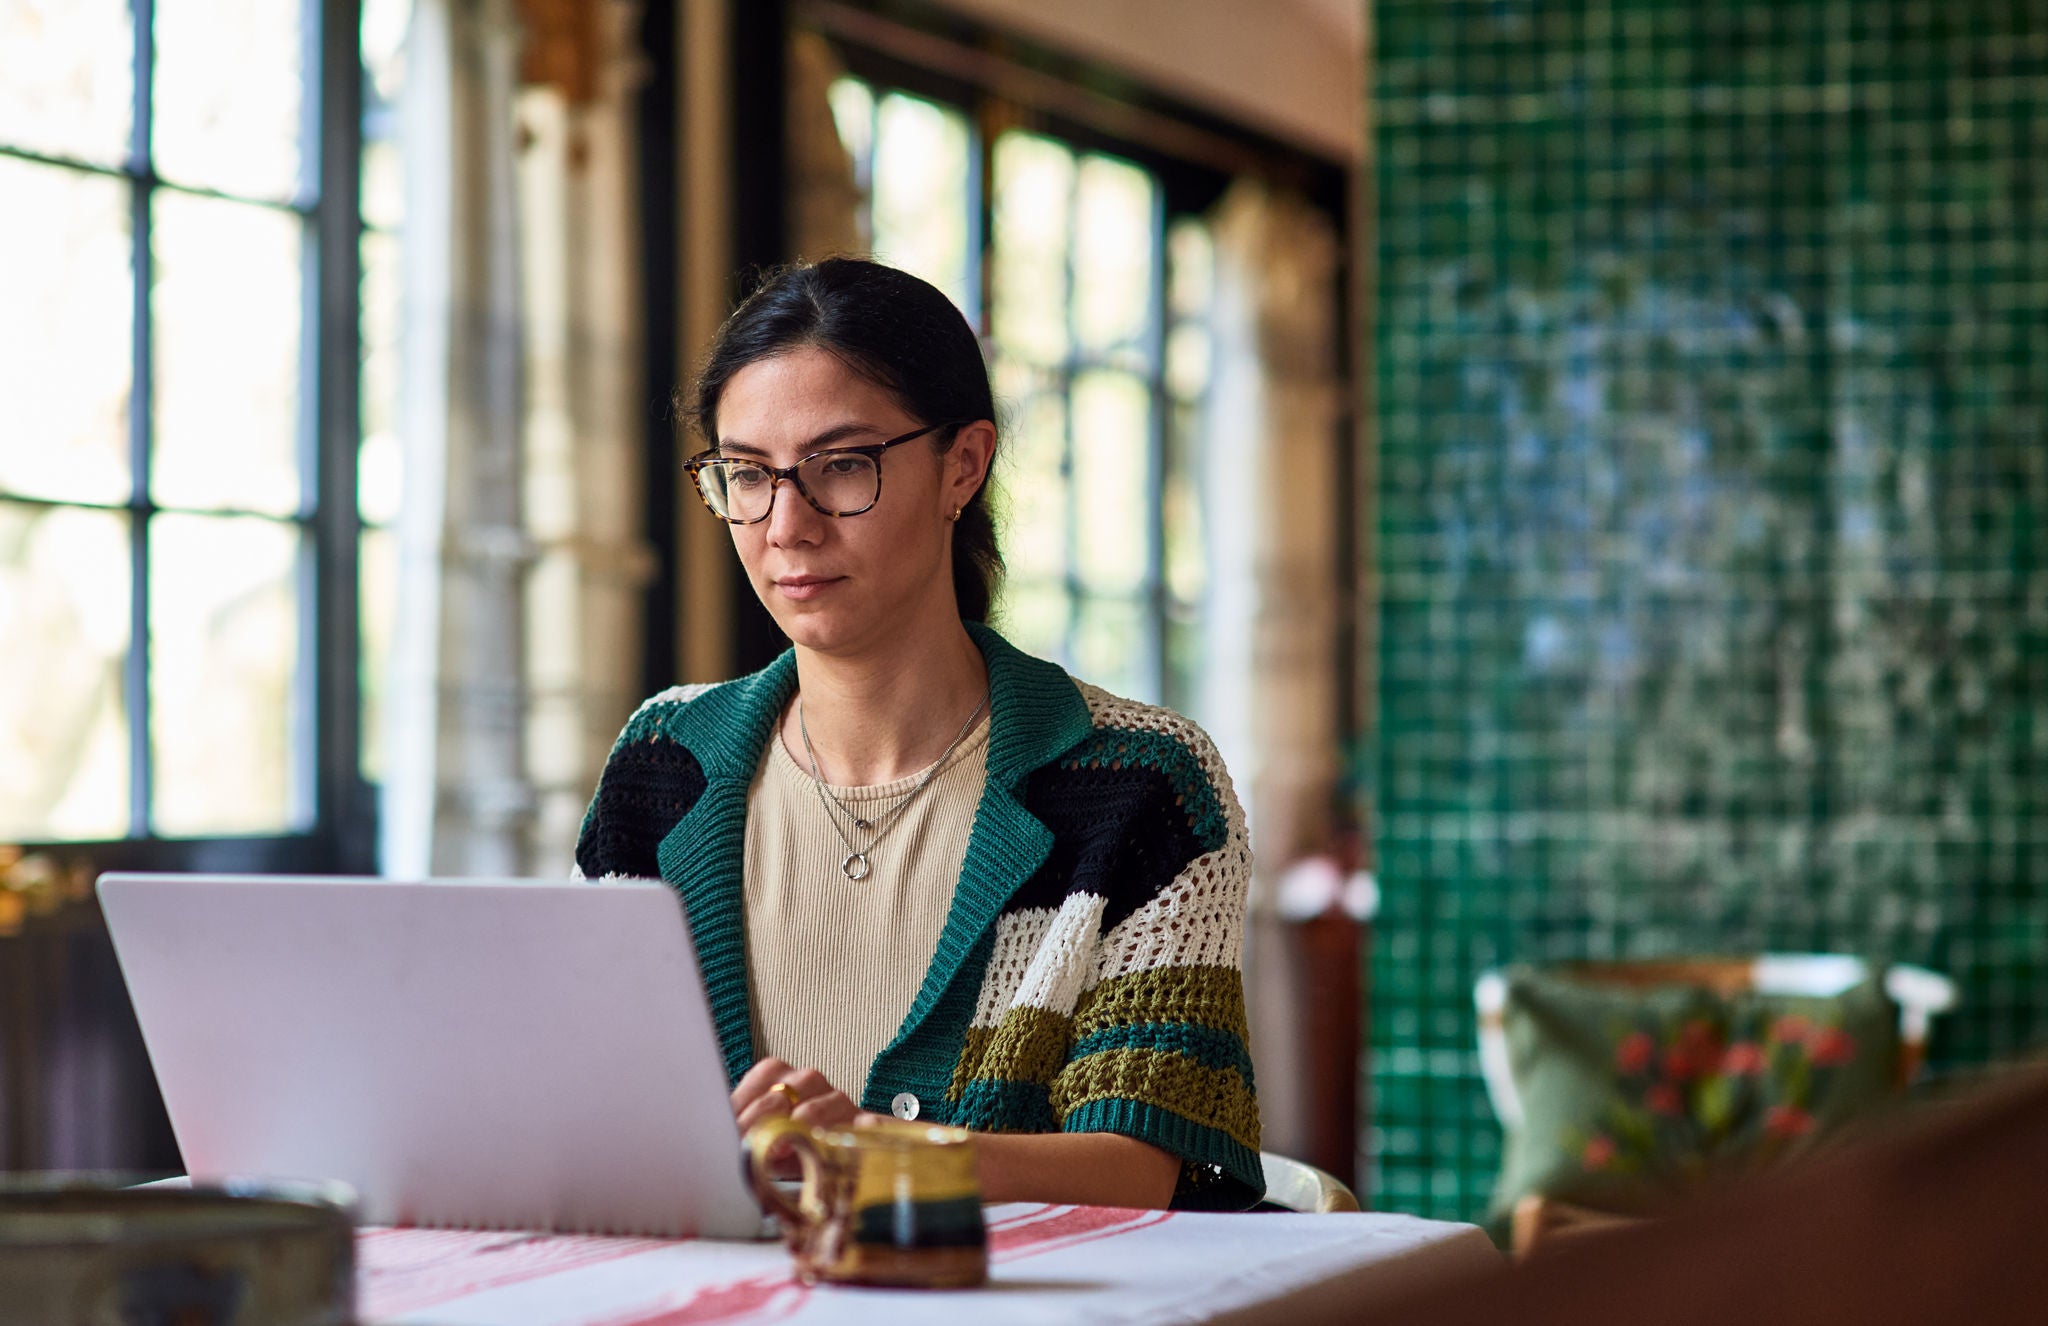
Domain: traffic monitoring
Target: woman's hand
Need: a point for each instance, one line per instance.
(817, 1101)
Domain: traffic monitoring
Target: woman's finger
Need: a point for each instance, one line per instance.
(754, 1083)
(831, 1110)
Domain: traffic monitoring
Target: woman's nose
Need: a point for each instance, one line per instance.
(791, 517)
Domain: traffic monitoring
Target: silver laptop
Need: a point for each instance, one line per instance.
(475, 1053)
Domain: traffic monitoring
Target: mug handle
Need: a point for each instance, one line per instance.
(761, 1139)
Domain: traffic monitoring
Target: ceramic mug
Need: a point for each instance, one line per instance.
(888, 1203)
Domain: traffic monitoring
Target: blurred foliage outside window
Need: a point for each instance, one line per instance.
(1092, 308)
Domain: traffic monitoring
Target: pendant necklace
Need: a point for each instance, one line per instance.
(856, 866)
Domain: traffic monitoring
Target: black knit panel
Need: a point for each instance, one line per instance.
(647, 786)
(1116, 832)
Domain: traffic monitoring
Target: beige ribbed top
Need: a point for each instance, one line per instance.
(833, 964)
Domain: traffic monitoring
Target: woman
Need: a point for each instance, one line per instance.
(928, 874)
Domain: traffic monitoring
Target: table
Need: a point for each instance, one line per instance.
(1048, 1264)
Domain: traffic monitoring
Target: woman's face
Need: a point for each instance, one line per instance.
(842, 585)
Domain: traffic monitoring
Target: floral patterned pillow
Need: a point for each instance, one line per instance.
(1631, 1096)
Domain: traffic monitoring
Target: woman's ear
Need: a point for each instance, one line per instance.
(967, 463)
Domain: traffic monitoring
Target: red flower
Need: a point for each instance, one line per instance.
(1683, 1062)
(1792, 1029)
(1832, 1047)
(1599, 1152)
(1788, 1121)
(1743, 1059)
(1662, 1098)
(1634, 1053)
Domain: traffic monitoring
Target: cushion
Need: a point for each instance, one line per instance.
(1630, 1096)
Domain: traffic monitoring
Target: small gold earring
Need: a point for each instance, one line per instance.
(956, 513)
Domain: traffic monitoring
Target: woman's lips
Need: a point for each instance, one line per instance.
(800, 588)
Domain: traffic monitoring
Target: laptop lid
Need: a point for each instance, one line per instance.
(477, 1053)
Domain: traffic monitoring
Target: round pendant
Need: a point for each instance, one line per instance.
(860, 823)
(855, 866)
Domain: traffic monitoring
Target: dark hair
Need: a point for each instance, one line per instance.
(901, 334)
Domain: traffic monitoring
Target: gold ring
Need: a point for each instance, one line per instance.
(788, 1094)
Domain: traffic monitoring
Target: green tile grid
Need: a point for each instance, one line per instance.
(1713, 458)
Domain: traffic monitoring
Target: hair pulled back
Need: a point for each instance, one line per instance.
(898, 332)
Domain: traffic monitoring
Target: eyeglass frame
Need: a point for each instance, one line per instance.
(778, 474)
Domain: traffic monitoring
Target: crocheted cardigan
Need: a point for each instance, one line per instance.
(1088, 975)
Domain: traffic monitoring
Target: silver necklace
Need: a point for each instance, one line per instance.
(856, 866)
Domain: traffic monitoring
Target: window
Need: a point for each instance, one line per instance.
(167, 262)
(380, 460)
(1091, 302)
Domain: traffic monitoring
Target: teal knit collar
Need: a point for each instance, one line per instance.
(1036, 714)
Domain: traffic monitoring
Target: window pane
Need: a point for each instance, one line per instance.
(383, 184)
(67, 78)
(1034, 617)
(380, 465)
(1112, 437)
(853, 114)
(383, 38)
(1033, 200)
(383, 170)
(66, 301)
(920, 193)
(377, 589)
(63, 721)
(1109, 647)
(1035, 489)
(223, 632)
(1191, 267)
(228, 95)
(1185, 555)
(226, 319)
(1113, 253)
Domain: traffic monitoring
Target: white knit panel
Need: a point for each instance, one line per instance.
(1196, 920)
(1017, 938)
(1061, 967)
(675, 695)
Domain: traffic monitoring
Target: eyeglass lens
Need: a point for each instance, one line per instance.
(837, 484)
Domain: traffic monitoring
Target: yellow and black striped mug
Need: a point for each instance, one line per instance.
(886, 1203)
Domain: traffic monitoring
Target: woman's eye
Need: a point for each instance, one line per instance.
(839, 467)
(746, 476)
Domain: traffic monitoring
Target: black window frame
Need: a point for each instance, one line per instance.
(340, 835)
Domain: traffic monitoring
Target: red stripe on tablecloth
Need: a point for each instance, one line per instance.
(409, 1270)
(1067, 1228)
(758, 1298)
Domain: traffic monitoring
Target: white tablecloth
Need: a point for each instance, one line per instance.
(1051, 1264)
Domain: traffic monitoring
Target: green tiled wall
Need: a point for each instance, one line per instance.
(1712, 383)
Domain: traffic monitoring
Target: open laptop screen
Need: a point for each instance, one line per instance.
(476, 1053)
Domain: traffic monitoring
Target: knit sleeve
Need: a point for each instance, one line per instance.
(1159, 1049)
(649, 782)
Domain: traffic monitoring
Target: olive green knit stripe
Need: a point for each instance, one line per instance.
(1028, 1045)
(1207, 996)
(1115, 748)
(1216, 1098)
(1205, 1045)
(1243, 1180)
